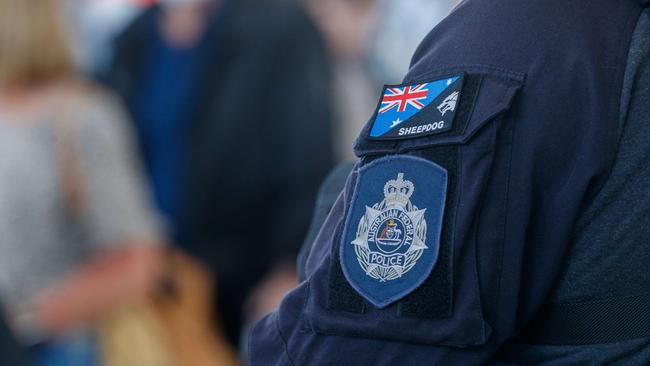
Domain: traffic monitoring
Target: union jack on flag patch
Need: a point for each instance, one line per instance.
(402, 97)
(411, 110)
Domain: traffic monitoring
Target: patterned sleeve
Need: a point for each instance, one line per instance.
(117, 205)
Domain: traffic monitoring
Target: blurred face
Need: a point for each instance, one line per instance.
(344, 24)
(184, 21)
(181, 3)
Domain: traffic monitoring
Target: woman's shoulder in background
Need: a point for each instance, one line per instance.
(95, 108)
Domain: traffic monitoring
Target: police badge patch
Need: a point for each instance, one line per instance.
(392, 232)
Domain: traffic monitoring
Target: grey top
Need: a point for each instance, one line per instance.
(39, 241)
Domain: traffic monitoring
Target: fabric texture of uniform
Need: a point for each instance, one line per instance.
(608, 258)
(537, 153)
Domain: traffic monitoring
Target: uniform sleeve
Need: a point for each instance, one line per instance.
(327, 196)
(527, 151)
(605, 260)
(116, 204)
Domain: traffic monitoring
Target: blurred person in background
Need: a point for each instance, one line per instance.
(346, 25)
(93, 26)
(357, 32)
(79, 237)
(231, 101)
(401, 24)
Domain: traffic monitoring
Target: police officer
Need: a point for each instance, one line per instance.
(511, 169)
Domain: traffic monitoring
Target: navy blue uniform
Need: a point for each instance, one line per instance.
(493, 181)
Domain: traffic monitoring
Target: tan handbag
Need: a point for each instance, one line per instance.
(134, 335)
(175, 327)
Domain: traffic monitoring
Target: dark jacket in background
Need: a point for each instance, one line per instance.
(259, 141)
(11, 353)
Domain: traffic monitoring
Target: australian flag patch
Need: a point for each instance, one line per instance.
(413, 110)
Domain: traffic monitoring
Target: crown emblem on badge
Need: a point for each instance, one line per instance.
(392, 234)
(398, 191)
(397, 210)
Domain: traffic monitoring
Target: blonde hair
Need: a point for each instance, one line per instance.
(33, 44)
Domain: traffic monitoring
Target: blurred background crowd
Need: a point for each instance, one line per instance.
(160, 160)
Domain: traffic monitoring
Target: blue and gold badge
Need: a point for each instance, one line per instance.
(392, 232)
